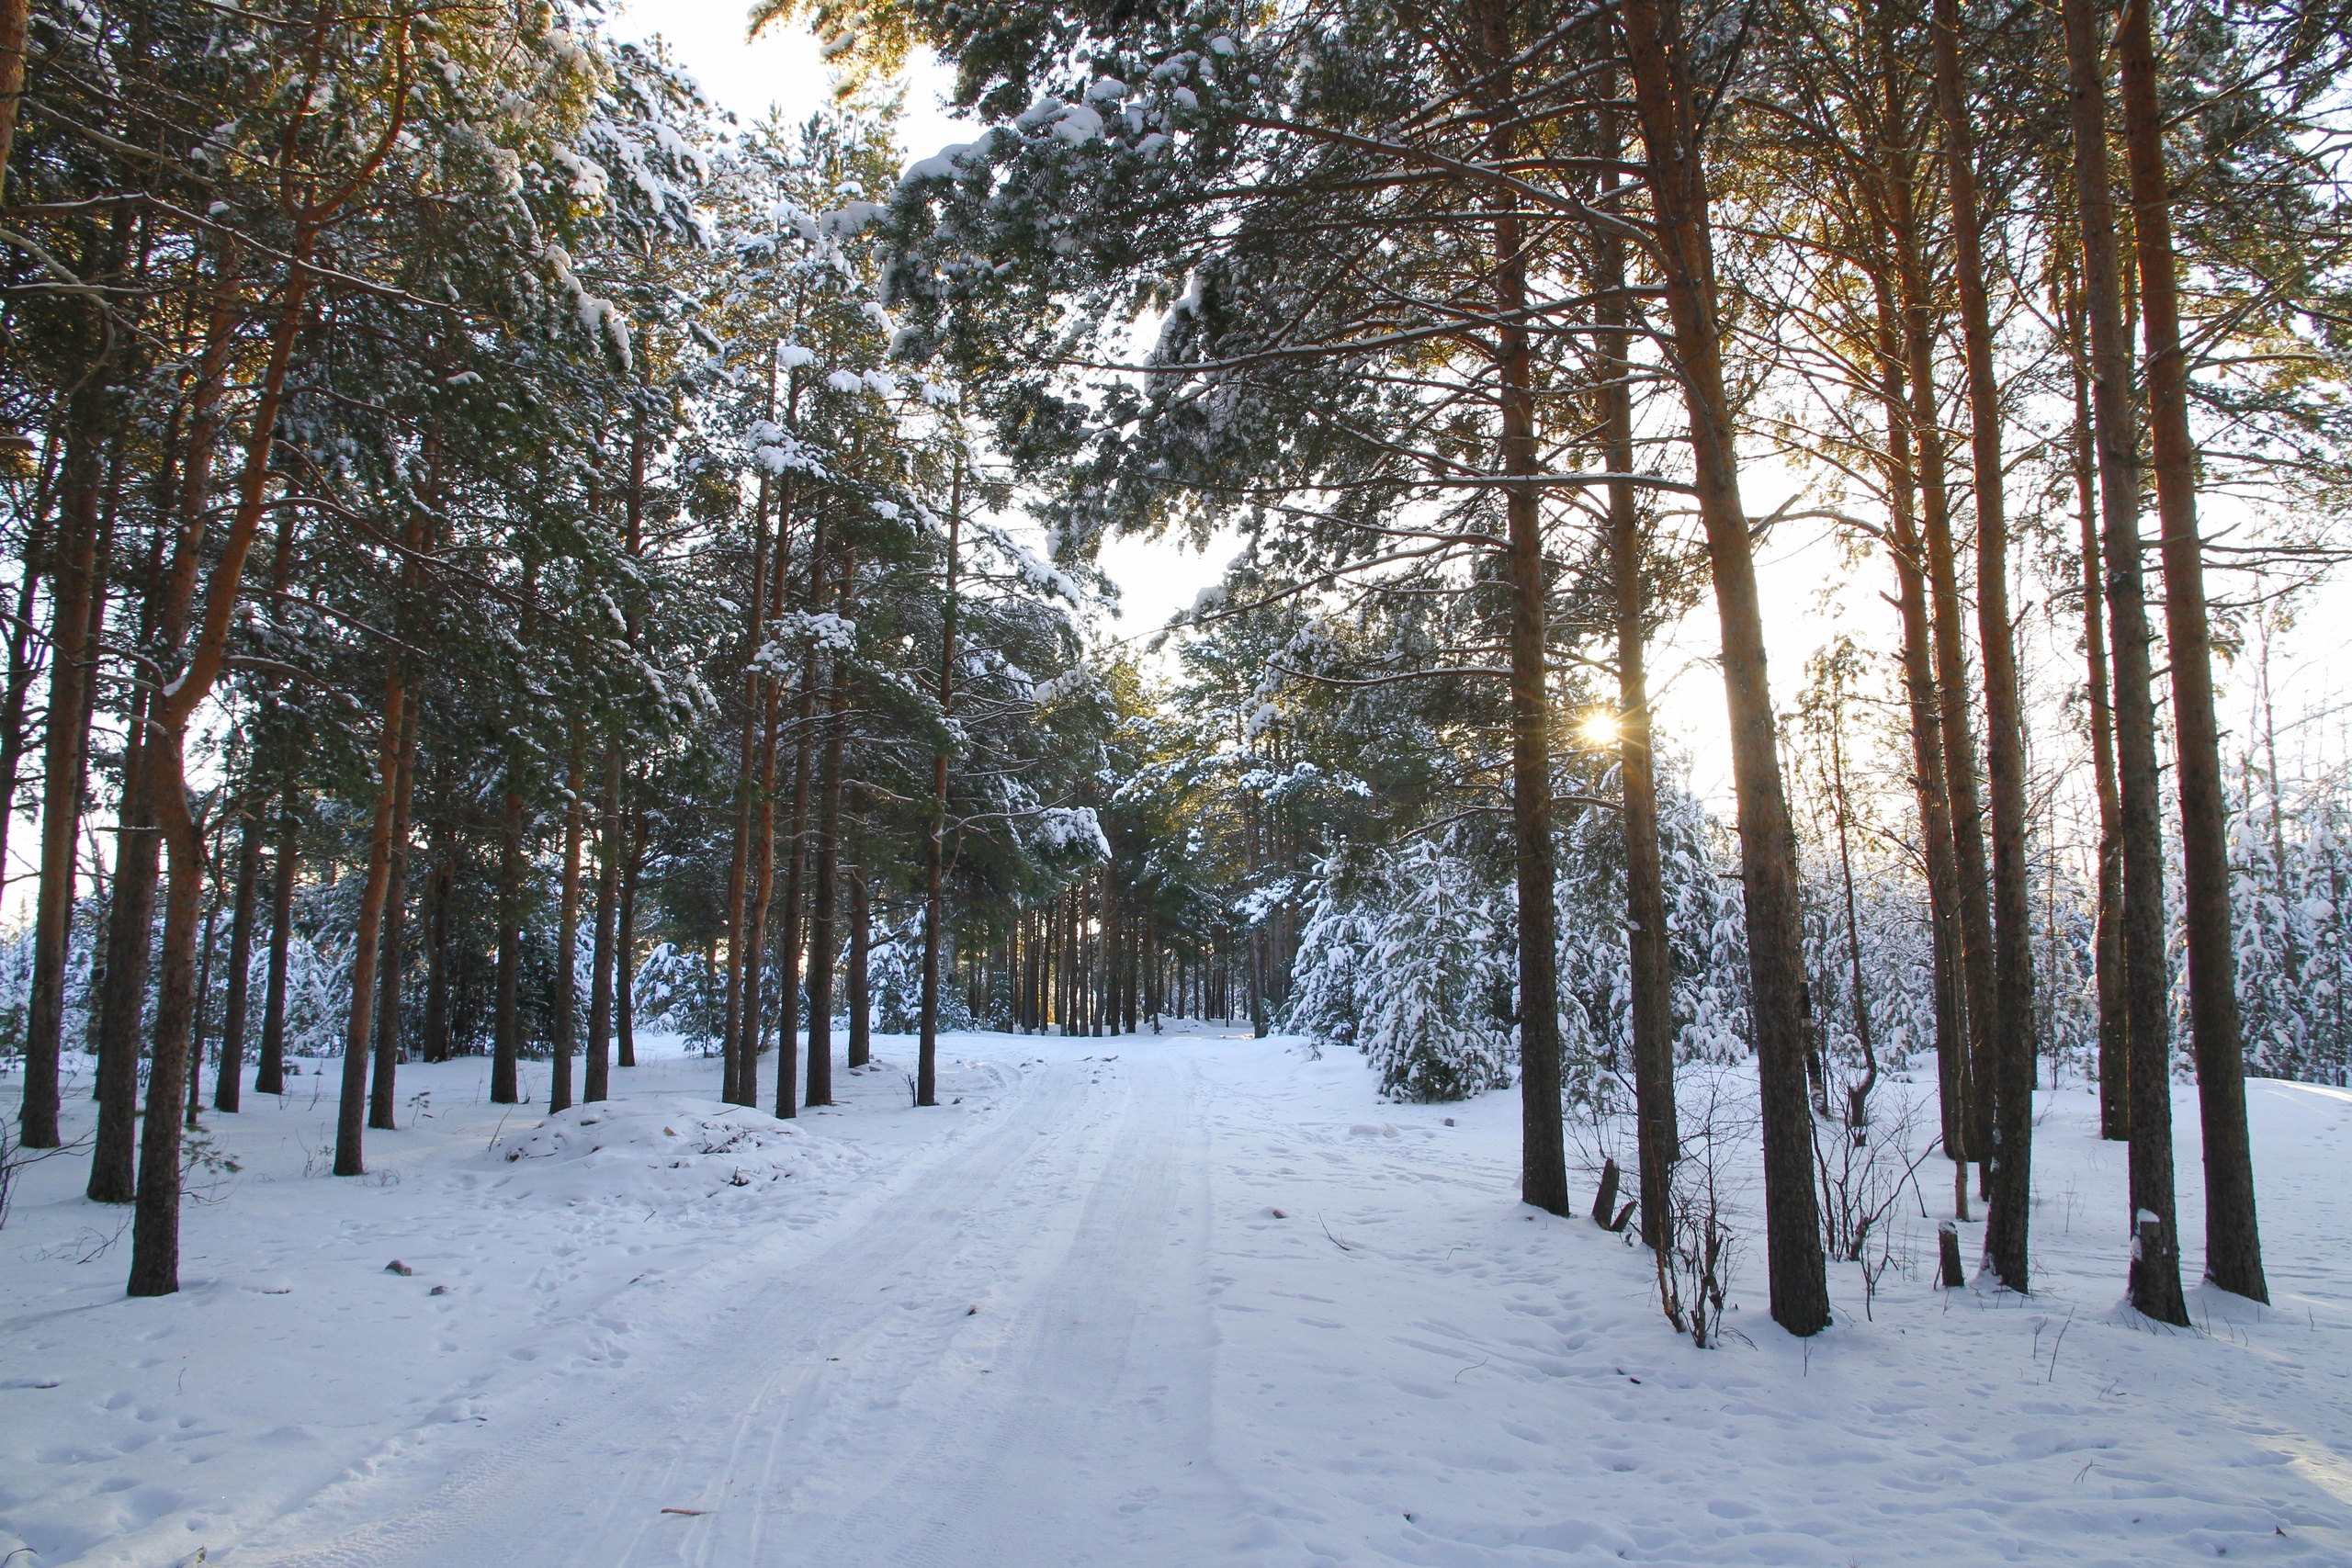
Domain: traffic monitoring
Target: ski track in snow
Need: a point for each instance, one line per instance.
(1141, 1300)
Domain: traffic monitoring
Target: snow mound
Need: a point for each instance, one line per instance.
(661, 1150)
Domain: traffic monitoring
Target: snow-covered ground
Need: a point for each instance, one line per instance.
(1176, 1301)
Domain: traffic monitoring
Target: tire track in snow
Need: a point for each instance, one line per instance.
(1075, 1225)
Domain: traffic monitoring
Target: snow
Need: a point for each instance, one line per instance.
(1152, 1301)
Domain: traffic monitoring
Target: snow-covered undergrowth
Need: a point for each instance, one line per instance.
(690, 1160)
(1137, 1303)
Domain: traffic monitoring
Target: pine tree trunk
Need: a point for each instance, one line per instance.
(1799, 1282)
(1543, 1167)
(934, 885)
(2007, 1217)
(1953, 1066)
(383, 1104)
(2154, 1229)
(2114, 1026)
(203, 994)
(1977, 946)
(154, 1257)
(738, 1061)
(270, 1077)
(437, 894)
(1650, 965)
(861, 952)
(229, 1080)
(826, 895)
(155, 1228)
(624, 944)
(350, 1158)
(130, 926)
(567, 943)
(2232, 1238)
(599, 1077)
(506, 1018)
(71, 671)
(788, 923)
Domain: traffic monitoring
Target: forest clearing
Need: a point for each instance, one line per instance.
(1161, 1300)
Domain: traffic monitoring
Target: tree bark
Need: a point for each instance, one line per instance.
(567, 943)
(130, 926)
(1650, 965)
(1953, 1066)
(1542, 1172)
(2007, 1217)
(600, 963)
(861, 950)
(625, 944)
(270, 1077)
(2114, 1025)
(438, 893)
(71, 671)
(2154, 1228)
(934, 848)
(383, 1106)
(2232, 1238)
(1977, 944)
(350, 1157)
(506, 1020)
(1798, 1283)
(826, 895)
(230, 1078)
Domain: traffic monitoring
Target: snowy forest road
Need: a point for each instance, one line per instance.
(976, 1369)
(1136, 1303)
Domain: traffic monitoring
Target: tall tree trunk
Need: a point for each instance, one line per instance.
(2155, 1235)
(1953, 1066)
(2008, 1218)
(1978, 947)
(155, 1229)
(826, 901)
(1799, 1292)
(383, 1105)
(567, 944)
(350, 1157)
(203, 996)
(737, 1056)
(861, 951)
(625, 944)
(935, 846)
(270, 1077)
(789, 935)
(2114, 1025)
(131, 927)
(437, 894)
(506, 1019)
(154, 1255)
(600, 963)
(15, 18)
(230, 1078)
(1651, 966)
(71, 671)
(1542, 1164)
(2232, 1238)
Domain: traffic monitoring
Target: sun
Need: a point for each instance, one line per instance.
(1598, 728)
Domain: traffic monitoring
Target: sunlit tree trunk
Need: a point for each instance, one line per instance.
(2232, 1238)
(1779, 1008)
(2007, 1216)
(2155, 1237)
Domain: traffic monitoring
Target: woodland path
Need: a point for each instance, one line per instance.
(1132, 1303)
(1006, 1358)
